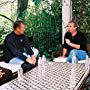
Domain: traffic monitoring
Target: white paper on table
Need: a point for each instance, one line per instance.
(82, 61)
(60, 59)
(12, 67)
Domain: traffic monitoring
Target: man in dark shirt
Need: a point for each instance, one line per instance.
(74, 42)
(16, 48)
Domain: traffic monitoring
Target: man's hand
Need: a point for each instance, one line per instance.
(31, 60)
(64, 52)
(67, 41)
(1, 74)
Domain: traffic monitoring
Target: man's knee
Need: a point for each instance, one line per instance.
(73, 51)
(69, 59)
(16, 60)
(80, 54)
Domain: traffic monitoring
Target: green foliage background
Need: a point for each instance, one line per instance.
(44, 27)
(81, 14)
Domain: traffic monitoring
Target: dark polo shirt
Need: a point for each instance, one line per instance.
(14, 46)
(79, 39)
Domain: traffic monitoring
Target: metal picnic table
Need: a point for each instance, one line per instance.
(49, 76)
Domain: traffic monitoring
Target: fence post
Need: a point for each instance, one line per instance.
(66, 15)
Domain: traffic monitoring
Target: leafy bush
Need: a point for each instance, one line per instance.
(81, 13)
(45, 27)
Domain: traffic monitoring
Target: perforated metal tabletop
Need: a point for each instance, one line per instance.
(49, 76)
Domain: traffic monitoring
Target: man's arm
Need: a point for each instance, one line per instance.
(77, 46)
(81, 43)
(29, 51)
(27, 46)
(65, 46)
(64, 52)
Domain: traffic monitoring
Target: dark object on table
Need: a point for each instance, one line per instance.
(6, 77)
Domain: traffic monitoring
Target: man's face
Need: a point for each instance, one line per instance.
(21, 28)
(71, 27)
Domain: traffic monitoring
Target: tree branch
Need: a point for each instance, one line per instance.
(7, 18)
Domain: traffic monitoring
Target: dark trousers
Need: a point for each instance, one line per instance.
(27, 66)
